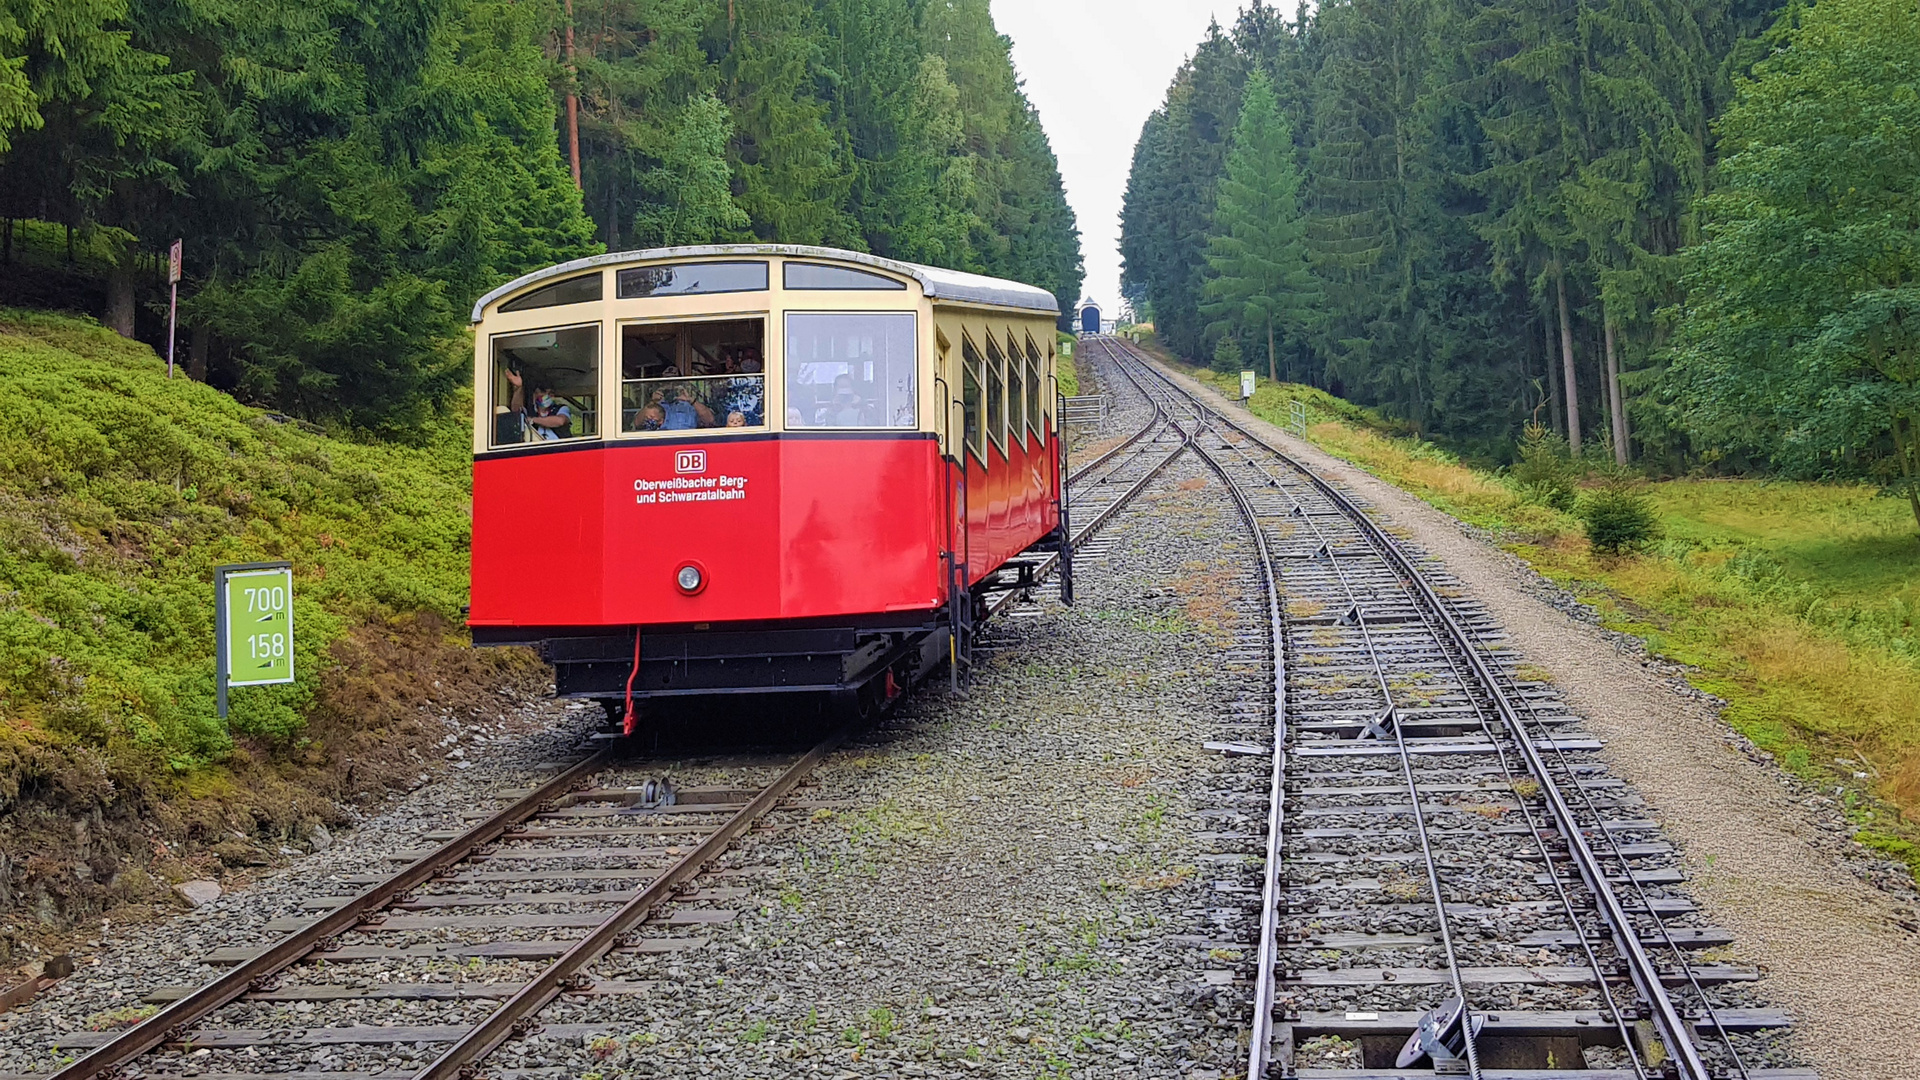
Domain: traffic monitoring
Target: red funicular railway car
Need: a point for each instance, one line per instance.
(755, 468)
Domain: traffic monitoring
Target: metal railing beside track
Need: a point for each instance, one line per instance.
(1498, 708)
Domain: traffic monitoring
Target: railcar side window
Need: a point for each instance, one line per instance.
(1016, 393)
(996, 395)
(970, 397)
(686, 376)
(817, 276)
(1036, 391)
(546, 386)
(574, 290)
(691, 279)
(852, 371)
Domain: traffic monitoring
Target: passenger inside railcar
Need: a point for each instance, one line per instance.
(689, 376)
(546, 385)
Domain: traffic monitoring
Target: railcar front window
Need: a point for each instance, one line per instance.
(575, 290)
(691, 279)
(816, 276)
(852, 371)
(546, 386)
(689, 376)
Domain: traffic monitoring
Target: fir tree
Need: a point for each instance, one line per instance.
(1259, 282)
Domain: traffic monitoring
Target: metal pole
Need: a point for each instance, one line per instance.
(173, 307)
(220, 642)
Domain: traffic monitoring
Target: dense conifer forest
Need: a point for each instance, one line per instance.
(349, 174)
(1680, 233)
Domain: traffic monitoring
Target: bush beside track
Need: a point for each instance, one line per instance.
(1797, 603)
(120, 490)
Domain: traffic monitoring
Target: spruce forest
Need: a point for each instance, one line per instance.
(1683, 234)
(349, 176)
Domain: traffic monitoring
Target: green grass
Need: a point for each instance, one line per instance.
(1799, 603)
(120, 490)
(1064, 368)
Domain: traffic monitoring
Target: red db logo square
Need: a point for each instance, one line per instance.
(686, 462)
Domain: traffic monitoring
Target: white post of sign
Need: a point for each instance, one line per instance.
(173, 300)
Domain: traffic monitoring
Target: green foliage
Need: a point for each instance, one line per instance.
(689, 197)
(1619, 517)
(1258, 285)
(120, 490)
(1227, 356)
(1545, 472)
(1801, 334)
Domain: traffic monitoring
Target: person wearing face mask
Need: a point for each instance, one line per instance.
(548, 420)
(845, 410)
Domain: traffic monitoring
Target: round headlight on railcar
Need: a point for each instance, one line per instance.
(690, 578)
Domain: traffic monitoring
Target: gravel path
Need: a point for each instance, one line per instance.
(1768, 861)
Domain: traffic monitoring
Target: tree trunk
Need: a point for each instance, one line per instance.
(197, 354)
(1273, 364)
(7, 256)
(1616, 400)
(573, 105)
(1571, 379)
(1907, 448)
(1555, 417)
(120, 297)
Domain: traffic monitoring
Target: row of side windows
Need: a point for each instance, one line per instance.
(1002, 393)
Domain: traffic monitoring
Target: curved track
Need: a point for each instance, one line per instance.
(575, 841)
(1412, 762)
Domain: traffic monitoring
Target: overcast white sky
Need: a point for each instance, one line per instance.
(1095, 69)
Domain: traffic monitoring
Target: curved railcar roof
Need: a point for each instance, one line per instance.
(938, 282)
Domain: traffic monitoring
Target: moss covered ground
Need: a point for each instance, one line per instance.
(120, 491)
(1798, 603)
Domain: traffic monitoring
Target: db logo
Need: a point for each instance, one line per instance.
(686, 462)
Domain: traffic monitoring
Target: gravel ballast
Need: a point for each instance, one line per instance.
(1765, 859)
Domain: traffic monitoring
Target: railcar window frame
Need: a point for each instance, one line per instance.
(884, 369)
(973, 399)
(1036, 391)
(1016, 393)
(586, 416)
(996, 388)
(679, 326)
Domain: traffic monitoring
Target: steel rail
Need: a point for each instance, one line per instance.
(1260, 1035)
(1548, 858)
(1406, 766)
(1646, 976)
(513, 1016)
(167, 1024)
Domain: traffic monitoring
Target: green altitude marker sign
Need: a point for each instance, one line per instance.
(254, 613)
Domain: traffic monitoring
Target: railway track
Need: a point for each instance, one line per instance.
(1443, 877)
(483, 932)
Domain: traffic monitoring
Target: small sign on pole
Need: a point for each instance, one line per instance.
(1066, 348)
(1246, 385)
(1299, 423)
(173, 304)
(253, 626)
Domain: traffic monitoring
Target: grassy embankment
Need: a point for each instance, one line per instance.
(1064, 369)
(120, 490)
(1798, 603)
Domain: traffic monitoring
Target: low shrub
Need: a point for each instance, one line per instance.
(1619, 517)
(1545, 473)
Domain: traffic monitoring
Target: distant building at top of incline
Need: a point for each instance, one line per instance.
(1089, 317)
